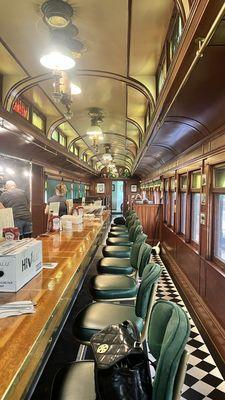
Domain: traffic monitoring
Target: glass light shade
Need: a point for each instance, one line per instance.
(106, 158)
(94, 131)
(57, 60)
(57, 21)
(75, 89)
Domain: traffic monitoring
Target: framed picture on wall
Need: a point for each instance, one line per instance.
(100, 188)
(133, 188)
(113, 187)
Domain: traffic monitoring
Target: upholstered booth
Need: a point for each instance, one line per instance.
(167, 336)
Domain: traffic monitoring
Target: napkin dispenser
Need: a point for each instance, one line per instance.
(19, 262)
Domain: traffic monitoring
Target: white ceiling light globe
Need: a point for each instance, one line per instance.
(57, 61)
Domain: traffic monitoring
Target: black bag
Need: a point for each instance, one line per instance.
(121, 366)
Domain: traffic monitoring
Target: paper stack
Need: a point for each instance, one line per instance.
(16, 308)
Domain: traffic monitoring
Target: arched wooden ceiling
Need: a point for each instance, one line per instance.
(124, 40)
(198, 111)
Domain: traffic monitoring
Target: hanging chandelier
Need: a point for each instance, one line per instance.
(94, 131)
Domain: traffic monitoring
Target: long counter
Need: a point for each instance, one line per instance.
(27, 340)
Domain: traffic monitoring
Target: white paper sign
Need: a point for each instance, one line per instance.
(6, 219)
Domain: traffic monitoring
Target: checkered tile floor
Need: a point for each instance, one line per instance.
(203, 379)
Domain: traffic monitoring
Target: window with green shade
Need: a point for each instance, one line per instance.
(82, 190)
(55, 136)
(196, 180)
(38, 121)
(76, 190)
(219, 177)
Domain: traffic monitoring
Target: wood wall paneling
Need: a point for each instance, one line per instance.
(38, 206)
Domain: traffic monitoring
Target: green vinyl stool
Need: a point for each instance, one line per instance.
(96, 316)
(124, 233)
(168, 333)
(134, 231)
(131, 217)
(124, 266)
(121, 251)
(111, 287)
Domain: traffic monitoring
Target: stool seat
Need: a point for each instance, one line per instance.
(121, 241)
(75, 381)
(118, 234)
(116, 266)
(116, 228)
(96, 316)
(107, 287)
(116, 251)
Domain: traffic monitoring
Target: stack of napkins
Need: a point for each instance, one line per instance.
(16, 308)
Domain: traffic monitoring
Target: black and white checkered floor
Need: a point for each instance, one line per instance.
(203, 379)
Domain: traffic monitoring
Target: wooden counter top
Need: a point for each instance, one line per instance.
(24, 340)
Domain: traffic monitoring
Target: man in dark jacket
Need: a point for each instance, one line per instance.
(16, 199)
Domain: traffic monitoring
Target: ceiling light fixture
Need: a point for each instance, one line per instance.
(58, 60)
(75, 89)
(57, 13)
(94, 131)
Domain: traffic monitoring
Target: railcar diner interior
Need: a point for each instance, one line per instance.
(112, 199)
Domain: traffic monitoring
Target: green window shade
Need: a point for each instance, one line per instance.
(76, 190)
(196, 180)
(55, 136)
(82, 190)
(37, 121)
(219, 175)
(68, 186)
(51, 184)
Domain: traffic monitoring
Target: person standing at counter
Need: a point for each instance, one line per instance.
(17, 199)
(59, 197)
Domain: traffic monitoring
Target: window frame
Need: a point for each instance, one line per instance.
(166, 201)
(215, 191)
(182, 190)
(172, 191)
(193, 191)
